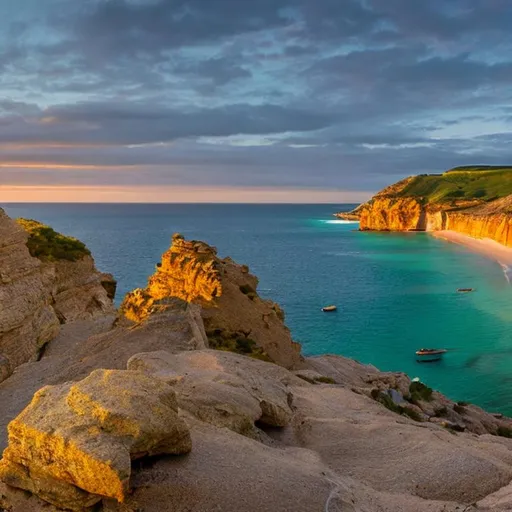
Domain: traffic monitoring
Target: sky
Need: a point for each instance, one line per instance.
(247, 100)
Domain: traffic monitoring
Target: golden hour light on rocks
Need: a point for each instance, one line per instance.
(255, 256)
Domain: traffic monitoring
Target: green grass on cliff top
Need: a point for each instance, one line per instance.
(46, 244)
(461, 183)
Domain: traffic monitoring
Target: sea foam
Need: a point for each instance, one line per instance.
(341, 221)
(507, 270)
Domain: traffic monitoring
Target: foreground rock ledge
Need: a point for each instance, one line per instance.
(74, 443)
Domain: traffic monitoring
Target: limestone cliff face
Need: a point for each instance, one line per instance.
(36, 297)
(408, 214)
(492, 220)
(387, 211)
(235, 317)
(496, 227)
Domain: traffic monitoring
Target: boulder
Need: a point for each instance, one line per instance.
(224, 389)
(74, 443)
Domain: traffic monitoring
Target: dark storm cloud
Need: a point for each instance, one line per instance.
(342, 93)
(129, 124)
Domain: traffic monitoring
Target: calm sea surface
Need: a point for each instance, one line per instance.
(395, 292)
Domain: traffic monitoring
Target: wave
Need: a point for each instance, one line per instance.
(340, 221)
(507, 270)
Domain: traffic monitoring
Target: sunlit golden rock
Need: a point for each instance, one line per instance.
(234, 315)
(82, 436)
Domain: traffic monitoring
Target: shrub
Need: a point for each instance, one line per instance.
(388, 403)
(236, 342)
(504, 432)
(442, 411)
(245, 345)
(411, 413)
(46, 244)
(325, 380)
(481, 192)
(456, 193)
(247, 289)
(459, 409)
(420, 391)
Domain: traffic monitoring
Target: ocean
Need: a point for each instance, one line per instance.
(395, 292)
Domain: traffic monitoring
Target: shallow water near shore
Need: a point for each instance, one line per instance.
(395, 292)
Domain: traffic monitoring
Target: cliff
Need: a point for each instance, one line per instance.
(39, 294)
(476, 203)
(234, 315)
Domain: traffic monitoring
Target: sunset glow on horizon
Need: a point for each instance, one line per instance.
(289, 99)
(112, 194)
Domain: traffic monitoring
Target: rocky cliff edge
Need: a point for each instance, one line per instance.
(400, 207)
(235, 317)
(38, 294)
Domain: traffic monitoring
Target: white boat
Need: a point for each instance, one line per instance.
(427, 355)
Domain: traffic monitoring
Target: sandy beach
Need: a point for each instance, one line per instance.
(485, 247)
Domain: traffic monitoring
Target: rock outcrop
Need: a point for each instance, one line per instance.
(492, 220)
(226, 390)
(74, 443)
(37, 296)
(393, 209)
(235, 317)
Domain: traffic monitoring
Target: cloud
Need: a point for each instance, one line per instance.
(346, 94)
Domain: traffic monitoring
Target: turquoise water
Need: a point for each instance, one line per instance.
(395, 292)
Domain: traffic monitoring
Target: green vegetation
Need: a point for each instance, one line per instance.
(325, 380)
(459, 409)
(388, 403)
(505, 432)
(469, 183)
(317, 380)
(236, 342)
(476, 168)
(46, 244)
(419, 392)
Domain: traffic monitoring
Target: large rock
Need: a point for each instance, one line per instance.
(27, 320)
(234, 315)
(224, 389)
(37, 296)
(74, 443)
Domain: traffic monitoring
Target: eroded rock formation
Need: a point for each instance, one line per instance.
(389, 210)
(74, 443)
(36, 297)
(234, 315)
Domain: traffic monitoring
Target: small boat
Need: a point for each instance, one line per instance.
(329, 309)
(465, 290)
(427, 355)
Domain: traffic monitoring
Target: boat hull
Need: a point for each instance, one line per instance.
(429, 358)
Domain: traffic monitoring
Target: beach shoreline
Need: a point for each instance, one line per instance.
(485, 246)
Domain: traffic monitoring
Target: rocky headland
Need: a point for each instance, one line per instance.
(474, 201)
(41, 291)
(196, 398)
